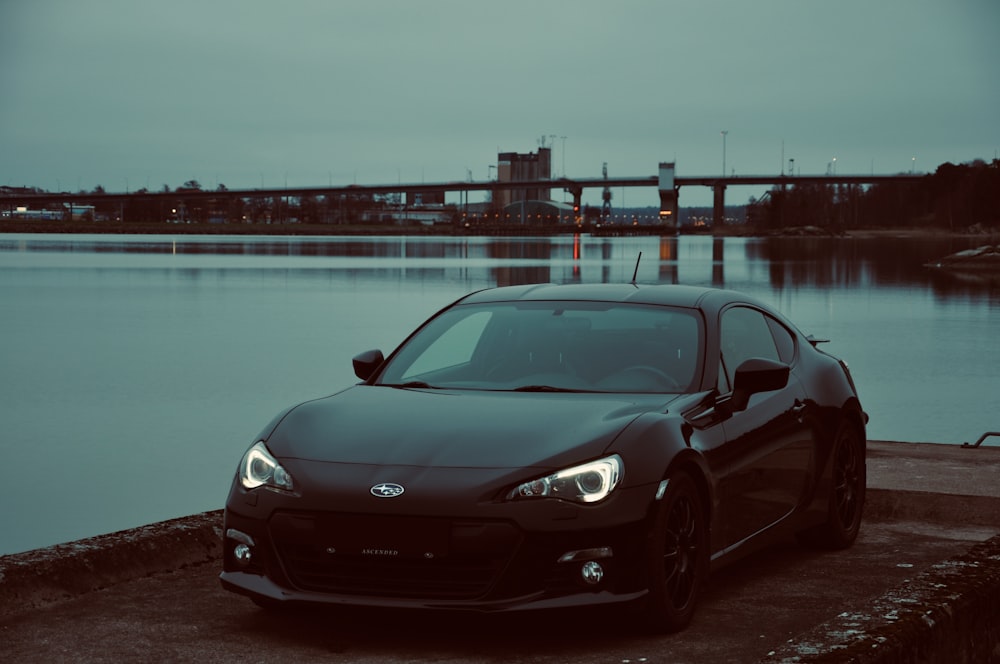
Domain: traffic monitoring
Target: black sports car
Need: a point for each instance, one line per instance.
(551, 446)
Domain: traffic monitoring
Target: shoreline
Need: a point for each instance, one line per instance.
(989, 236)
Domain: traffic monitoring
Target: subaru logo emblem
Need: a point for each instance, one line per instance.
(386, 490)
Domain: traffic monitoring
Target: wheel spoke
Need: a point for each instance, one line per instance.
(846, 481)
(680, 551)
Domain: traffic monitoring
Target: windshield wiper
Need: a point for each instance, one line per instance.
(411, 384)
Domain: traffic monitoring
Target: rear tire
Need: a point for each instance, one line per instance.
(847, 492)
(677, 563)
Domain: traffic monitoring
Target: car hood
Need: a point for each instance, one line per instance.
(378, 425)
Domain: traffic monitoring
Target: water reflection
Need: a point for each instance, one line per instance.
(869, 262)
(797, 262)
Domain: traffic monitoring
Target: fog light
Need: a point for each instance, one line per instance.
(242, 554)
(592, 572)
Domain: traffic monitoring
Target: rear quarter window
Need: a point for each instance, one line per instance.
(783, 339)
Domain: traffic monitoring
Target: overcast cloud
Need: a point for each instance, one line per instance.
(131, 94)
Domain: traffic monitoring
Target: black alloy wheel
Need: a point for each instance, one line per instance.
(678, 555)
(848, 484)
(847, 492)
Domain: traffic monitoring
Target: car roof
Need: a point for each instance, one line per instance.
(700, 297)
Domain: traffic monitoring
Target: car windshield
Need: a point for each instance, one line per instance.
(550, 347)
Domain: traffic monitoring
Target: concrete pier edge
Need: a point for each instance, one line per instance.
(947, 613)
(35, 578)
(948, 609)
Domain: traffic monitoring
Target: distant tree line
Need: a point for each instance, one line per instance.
(954, 197)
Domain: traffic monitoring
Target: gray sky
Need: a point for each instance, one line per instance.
(130, 93)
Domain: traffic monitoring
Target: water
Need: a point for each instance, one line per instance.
(134, 371)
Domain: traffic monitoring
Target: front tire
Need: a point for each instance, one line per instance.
(678, 555)
(847, 492)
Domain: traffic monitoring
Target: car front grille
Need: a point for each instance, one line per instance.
(411, 557)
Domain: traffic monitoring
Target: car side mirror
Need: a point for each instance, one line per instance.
(757, 375)
(367, 362)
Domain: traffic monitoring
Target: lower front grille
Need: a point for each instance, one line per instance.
(414, 558)
(446, 578)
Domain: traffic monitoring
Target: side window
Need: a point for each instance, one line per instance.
(784, 340)
(744, 333)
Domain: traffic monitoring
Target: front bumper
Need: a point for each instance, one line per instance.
(261, 587)
(441, 562)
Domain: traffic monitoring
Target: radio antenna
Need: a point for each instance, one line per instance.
(636, 273)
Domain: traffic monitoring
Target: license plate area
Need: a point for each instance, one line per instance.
(386, 536)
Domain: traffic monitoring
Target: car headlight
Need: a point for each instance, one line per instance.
(587, 483)
(259, 468)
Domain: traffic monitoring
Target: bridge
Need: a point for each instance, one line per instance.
(666, 183)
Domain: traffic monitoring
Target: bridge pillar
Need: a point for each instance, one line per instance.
(719, 208)
(668, 195)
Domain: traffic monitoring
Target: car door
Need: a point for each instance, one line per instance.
(769, 446)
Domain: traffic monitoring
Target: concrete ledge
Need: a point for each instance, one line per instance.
(901, 505)
(35, 578)
(947, 615)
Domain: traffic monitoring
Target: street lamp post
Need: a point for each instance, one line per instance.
(724, 132)
(563, 155)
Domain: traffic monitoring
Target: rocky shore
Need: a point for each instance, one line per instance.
(985, 258)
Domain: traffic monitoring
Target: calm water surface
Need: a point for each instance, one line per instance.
(134, 371)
